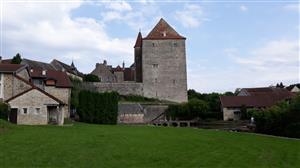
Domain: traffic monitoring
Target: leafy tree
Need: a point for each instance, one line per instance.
(91, 78)
(16, 59)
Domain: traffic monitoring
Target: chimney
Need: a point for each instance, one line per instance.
(104, 62)
(44, 72)
(123, 65)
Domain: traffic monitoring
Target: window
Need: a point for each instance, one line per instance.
(153, 44)
(175, 44)
(37, 110)
(155, 80)
(24, 110)
(174, 81)
(155, 65)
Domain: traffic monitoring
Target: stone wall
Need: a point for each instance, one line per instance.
(164, 69)
(63, 94)
(31, 101)
(7, 86)
(19, 86)
(228, 114)
(126, 88)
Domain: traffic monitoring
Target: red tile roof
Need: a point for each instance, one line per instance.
(139, 40)
(33, 87)
(259, 97)
(10, 68)
(163, 31)
(61, 78)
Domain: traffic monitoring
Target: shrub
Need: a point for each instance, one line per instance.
(100, 108)
(195, 108)
(4, 111)
(281, 119)
(91, 78)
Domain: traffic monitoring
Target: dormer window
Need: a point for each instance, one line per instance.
(164, 33)
(44, 72)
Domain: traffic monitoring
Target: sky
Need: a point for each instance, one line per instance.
(229, 45)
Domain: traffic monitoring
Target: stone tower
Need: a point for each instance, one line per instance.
(163, 69)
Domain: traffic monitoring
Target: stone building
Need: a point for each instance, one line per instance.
(31, 104)
(252, 98)
(160, 65)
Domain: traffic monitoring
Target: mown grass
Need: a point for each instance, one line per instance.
(87, 145)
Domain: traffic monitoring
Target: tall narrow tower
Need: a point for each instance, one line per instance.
(164, 64)
(138, 58)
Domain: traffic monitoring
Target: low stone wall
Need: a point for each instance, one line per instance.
(121, 88)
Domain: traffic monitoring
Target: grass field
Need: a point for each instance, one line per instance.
(86, 145)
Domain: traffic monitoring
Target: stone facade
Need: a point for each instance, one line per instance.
(104, 73)
(231, 113)
(122, 88)
(164, 69)
(63, 94)
(36, 104)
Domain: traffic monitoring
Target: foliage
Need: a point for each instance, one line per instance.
(75, 92)
(281, 119)
(100, 108)
(4, 111)
(16, 59)
(195, 108)
(91, 78)
(244, 115)
(213, 101)
(90, 145)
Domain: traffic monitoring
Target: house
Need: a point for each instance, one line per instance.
(295, 88)
(252, 98)
(29, 103)
(71, 70)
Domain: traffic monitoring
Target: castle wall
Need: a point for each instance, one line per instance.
(164, 69)
(121, 88)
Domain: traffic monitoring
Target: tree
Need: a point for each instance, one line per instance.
(91, 78)
(16, 59)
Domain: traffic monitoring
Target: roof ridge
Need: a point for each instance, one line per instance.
(37, 88)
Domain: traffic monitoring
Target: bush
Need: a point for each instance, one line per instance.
(281, 119)
(4, 111)
(91, 78)
(100, 108)
(186, 111)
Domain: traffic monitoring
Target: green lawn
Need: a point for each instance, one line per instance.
(85, 145)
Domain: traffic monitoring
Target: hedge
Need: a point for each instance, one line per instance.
(100, 108)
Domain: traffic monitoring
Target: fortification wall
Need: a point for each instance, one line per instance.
(125, 88)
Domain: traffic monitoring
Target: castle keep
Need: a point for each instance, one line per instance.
(158, 71)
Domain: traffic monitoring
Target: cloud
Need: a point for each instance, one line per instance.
(142, 17)
(118, 5)
(275, 61)
(191, 16)
(44, 31)
(292, 7)
(243, 8)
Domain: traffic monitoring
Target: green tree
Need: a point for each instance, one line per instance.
(91, 78)
(16, 59)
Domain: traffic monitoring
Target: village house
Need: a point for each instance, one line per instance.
(30, 103)
(252, 98)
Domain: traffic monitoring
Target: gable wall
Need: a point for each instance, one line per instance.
(32, 100)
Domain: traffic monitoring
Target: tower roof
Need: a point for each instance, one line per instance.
(162, 31)
(139, 39)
